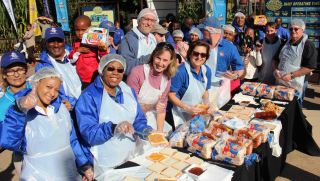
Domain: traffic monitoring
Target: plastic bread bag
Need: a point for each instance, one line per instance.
(197, 125)
(248, 133)
(200, 145)
(265, 91)
(229, 152)
(215, 130)
(261, 128)
(247, 143)
(284, 93)
(176, 139)
(249, 88)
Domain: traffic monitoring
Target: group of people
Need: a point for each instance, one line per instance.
(88, 109)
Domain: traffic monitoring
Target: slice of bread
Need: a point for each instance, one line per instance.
(129, 178)
(156, 157)
(157, 167)
(171, 172)
(153, 176)
(181, 156)
(157, 139)
(194, 160)
(181, 165)
(168, 151)
(168, 161)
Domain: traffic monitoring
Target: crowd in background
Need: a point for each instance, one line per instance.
(87, 103)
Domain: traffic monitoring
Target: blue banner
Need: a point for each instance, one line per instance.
(220, 10)
(62, 14)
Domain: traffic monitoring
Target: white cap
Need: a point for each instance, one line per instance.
(298, 22)
(229, 28)
(147, 11)
(105, 60)
(239, 14)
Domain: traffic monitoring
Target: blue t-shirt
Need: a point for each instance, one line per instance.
(228, 56)
(6, 101)
(180, 82)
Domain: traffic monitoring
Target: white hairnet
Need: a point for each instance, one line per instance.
(43, 73)
(105, 60)
(146, 11)
(196, 31)
(239, 14)
(177, 33)
(298, 22)
(229, 28)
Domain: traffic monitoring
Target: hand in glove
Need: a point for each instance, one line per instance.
(88, 175)
(124, 128)
(193, 110)
(29, 101)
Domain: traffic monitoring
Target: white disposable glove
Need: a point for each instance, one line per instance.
(124, 128)
(29, 101)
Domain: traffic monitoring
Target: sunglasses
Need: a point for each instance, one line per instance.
(294, 29)
(196, 54)
(111, 69)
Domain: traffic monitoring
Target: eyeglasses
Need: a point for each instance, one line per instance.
(165, 45)
(294, 29)
(196, 54)
(111, 69)
(148, 19)
(19, 71)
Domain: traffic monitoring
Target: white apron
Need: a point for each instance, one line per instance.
(192, 96)
(145, 48)
(49, 154)
(220, 89)
(150, 95)
(70, 79)
(117, 149)
(290, 61)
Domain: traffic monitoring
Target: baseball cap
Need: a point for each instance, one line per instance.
(107, 25)
(159, 29)
(12, 57)
(54, 33)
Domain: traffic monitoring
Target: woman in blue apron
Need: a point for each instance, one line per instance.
(151, 83)
(189, 87)
(108, 115)
(39, 126)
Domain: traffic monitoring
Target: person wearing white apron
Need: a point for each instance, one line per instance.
(43, 131)
(109, 117)
(190, 85)
(55, 56)
(297, 58)
(151, 83)
(271, 44)
(223, 55)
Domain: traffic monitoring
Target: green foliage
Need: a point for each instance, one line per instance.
(190, 8)
(20, 10)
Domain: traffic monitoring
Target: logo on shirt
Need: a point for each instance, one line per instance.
(221, 53)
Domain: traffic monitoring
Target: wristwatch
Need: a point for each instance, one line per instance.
(292, 75)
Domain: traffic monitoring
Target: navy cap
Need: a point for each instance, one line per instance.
(210, 22)
(107, 25)
(12, 57)
(54, 33)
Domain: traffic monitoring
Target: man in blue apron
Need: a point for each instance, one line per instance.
(296, 59)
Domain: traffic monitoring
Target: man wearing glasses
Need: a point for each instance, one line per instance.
(297, 58)
(137, 44)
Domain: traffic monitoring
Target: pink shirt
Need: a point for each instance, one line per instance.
(136, 79)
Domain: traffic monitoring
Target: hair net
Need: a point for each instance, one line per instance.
(229, 28)
(146, 11)
(43, 73)
(196, 31)
(105, 60)
(298, 22)
(239, 14)
(177, 33)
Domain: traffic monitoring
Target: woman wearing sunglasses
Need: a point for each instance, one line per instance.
(39, 126)
(189, 87)
(151, 83)
(108, 114)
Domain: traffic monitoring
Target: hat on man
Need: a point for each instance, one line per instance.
(147, 11)
(105, 60)
(159, 29)
(177, 33)
(12, 57)
(229, 28)
(108, 25)
(239, 14)
(54, 33)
